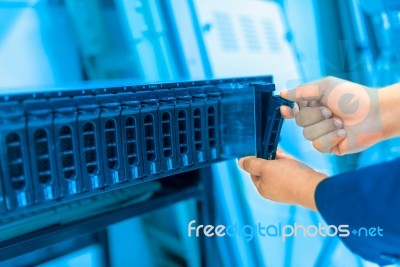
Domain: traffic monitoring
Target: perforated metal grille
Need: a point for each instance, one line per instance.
(212, 141)
(42, 155)
(15, 160)
(89, 144)
(67, 152)
(149, 137)
(111, 143)
(183, 131)
(198, 144)
(131, 142)
(166, 128)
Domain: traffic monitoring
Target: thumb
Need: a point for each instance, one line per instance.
(280, 154)
(253, 165)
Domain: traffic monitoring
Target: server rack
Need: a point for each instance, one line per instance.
(63, 145)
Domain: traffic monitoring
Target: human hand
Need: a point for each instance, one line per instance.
(338, 116)
(284, 179)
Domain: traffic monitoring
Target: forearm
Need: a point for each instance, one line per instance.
(389, 101)
(305, 192)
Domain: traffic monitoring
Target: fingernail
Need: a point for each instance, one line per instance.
(341, 133)
(240, 163)
(326, 113)
(338, 123)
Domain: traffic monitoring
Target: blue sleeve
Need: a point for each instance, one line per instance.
(364, 199)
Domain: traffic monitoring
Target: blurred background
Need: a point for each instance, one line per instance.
(61, 43)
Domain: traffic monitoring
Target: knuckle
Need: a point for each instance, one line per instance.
(330, 122)
(329, 80)
(307, 134)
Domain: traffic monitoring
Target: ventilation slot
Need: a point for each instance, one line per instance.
(226, 31)
(67, 152)
(111, 144)
(166, 125)
(183, 145)
(197, 130)
(15, 161)
(42, 156)
(250, 33)
(131, 145)
(212, 142)
(271, 36)
(149, 137)
(89, 145)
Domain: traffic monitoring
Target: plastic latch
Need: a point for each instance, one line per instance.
(273, 126)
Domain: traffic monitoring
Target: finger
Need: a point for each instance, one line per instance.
(287, 112)
(302, 104)
(314, 104)
(312, 91)
(304, 92)
(327, 142)
(341, 148)
(309, 116)
(253, 165)
(321, 128)
(241, 160)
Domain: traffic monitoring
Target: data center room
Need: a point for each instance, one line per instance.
(122, 121)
